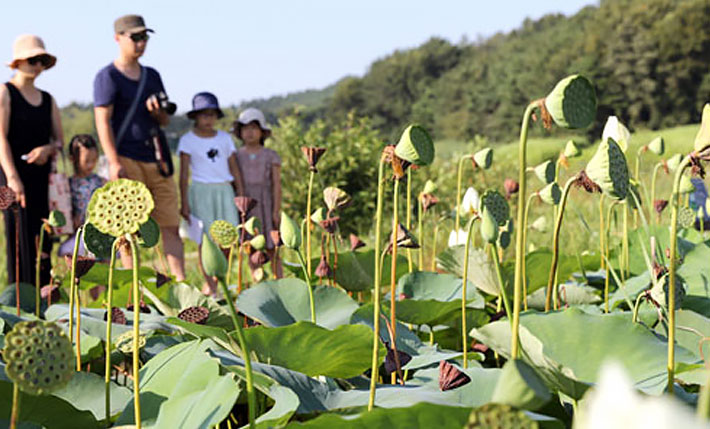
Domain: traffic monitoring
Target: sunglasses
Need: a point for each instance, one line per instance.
(44, 60)
(139, 37)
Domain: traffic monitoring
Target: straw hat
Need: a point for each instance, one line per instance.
(28, 46)
(249, 115)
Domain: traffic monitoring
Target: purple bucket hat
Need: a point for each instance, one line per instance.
(203, 101)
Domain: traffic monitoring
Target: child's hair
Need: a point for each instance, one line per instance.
(77, 142)
(237, 130)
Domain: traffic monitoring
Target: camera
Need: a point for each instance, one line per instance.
(168, 106)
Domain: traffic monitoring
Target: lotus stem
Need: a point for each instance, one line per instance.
(637, 305)
(78, 327)
(15, 406)
(245, 351)
(109, 321)
(519, 249)
(601, 231)
(503, 293)
(229, 263)
(464, 280)
(556, 243)
(37, 268)
(308, 220)
(16, 211)
(625, 270)
(136, 332)
(312, 302)
(672, 272)
(393, 266)
(410, 262)
(72, 281)
(641, 150)
(458, 192)
(376, 293)
(433, 248)
(703, 410)
(607, 268)
(524, 232)
(240, 256)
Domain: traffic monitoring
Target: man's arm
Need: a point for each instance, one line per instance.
(107, 139)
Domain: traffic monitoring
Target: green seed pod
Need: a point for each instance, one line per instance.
(657, 146)
(56, 219)
(608, 169)
(505, 235)
(499, 416)
(38, 357)
(124, 342)
(686, 217)
(616, 130)
(674, 161)
(429, 187)
(290, 232)
(415, 146)
(484, 158)
(213, 260)
(659, 292)
(572, 103)
(496, 205)
(252, 226)
(550, 194)
(223, 233)
(702, 139)
(489, 226)
(149, 233)
(258, 242)
(336, 198)
(686, 185)
(571, 150)
(97, 242)
(319, 215)
(120, 207)
(545, 172)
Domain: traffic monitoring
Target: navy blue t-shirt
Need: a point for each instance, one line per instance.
(111, 87)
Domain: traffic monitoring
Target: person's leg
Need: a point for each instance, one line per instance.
(172, 245)
(132, 169)
(166, 214)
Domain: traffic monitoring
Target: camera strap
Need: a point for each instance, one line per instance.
(134, 106)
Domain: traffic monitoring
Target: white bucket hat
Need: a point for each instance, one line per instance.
(28, 46)
(248, 116)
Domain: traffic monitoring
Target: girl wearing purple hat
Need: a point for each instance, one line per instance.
(209, 156)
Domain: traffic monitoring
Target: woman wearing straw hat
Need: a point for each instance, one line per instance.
(30, 131)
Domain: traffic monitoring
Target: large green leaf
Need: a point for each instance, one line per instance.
(570, 294)
(431, 298)
(27, 298)
(694, 271)
(343, 352)
(181, 296)
(285, 301)
(538, 262)
(480, 267)
(567, 348)
(86, 391)
(687, 239)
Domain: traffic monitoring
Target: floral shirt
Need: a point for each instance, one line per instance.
(81, 190)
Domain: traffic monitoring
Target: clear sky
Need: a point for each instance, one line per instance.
(242, 50)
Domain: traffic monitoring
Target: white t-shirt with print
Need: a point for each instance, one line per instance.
(209, 156)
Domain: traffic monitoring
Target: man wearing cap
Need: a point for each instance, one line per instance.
(126, 121)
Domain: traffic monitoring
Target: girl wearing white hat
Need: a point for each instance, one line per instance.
(30, 133)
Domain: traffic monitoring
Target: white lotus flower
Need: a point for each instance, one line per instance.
(539, 224)
(457, 237)
(470, 202)
(615, 404)
(617, 131)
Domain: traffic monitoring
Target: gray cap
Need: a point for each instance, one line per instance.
(130, 24)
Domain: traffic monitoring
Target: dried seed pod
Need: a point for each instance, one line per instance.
(550, 194)
(38, 357)
(659, 292)
(497, 206)
(223, 233)
(7, 197)
(451, 377)
(124, 343)
(56, 219)
(275, 237)
(312, 154)
(149, 233)
(571, 150)
(428, 201)
(244, 204)
(323, 269)
(290, 232)
(572, 103)
(483, 158)
(336, 198)
(120, 207)
(330, 225)
(657, 146)
(495, 416)
(50, 290)
(195, 314)
(415, 146)
(142, 307)
(252, 226)
(355, 242)
(660, 205)
(161, 279)
(511, 187)
(258, 258)
(702, 139)
(391, 363)
(545, 172)
(117, 316)
(83, 264)
(405, 239)
(608, 170)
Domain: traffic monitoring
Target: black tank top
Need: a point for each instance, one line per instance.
(30, 126)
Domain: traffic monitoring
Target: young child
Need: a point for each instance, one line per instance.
(209, 156)
(84, 154)
(261, 168)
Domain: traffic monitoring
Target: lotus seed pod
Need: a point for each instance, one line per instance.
(659, 292)
(702, 139)
(336, 198)
(323, 269)
(223, 233)
(686, 217)
(545, 172)
(124, 342)
(415, 146)
(38, 357)
(674, 161)
(244, 204)
(97, 242)
(258, 242)
(252, 226)
(429, 187)
(330, 225)
(470, 203)
(511, 187)
(196, 314)
(428, 201)
(356, 243)
(390, 363)
(550, 194)
(572, 103)
(257, 259)
(483, 158)
(312, 154)
(660, 205)
(496, 205)
(499, 416)
(319, 215)
(290, 232)
(571, 150)
(82, 266)
(657, 146)
(451, 377)
(213, 260)
(405, 239)
(7, 197)
(489, 226)
(608, 170)
(149, 233)
(686, 185)
(504, 239)
(56, 219)
(118, 317)
(120, 207)
(617, 131)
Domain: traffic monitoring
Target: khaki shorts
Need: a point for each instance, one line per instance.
(163, 189)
